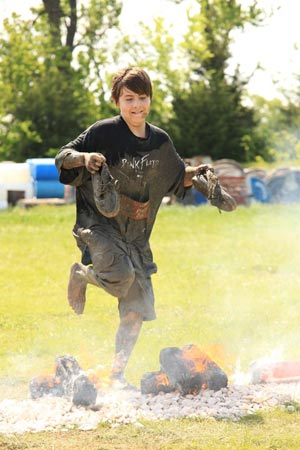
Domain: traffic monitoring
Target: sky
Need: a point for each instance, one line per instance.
(272, 46)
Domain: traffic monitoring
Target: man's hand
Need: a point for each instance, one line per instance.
(191, 171)
(93, 161)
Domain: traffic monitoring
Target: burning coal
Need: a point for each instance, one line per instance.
(183, 371)
(187, 370)
(68, 381)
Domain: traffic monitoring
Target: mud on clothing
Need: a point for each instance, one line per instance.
(147, 169)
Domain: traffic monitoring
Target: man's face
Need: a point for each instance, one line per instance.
(134, 107)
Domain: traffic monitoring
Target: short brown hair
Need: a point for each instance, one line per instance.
(133, 78)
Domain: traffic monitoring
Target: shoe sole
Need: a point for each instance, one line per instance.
(76, 290)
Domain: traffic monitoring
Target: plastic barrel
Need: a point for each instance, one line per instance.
(259, 190)
(3, 197)
(199, 198)
(49, 189)
(11, 172)
(43, 168)
(10, 193)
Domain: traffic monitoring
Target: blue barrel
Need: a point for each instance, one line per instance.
(198, 197)
(259, 190)
(43, 168)
(48, 189)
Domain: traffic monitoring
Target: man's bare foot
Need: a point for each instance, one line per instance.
(77, 289)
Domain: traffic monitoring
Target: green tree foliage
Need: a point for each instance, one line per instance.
(49, 75)
(55, 75)
(196, 99)
(280, 125)
(209, 114)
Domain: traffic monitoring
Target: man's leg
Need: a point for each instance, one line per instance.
(127, 335)
(112, 270)
(134, 308)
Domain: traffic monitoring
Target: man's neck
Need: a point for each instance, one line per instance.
(139, 131)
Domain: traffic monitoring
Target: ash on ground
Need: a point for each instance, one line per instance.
(124, 407)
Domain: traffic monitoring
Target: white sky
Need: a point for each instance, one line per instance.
(273, 46)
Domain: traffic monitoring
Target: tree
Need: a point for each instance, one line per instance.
(210, 119)
(196, 99)
(210, 116)
(49, 74)
(281, 125)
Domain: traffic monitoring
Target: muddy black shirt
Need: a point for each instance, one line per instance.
(146, 169)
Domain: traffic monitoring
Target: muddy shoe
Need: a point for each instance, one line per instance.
(200, 183)
(105, 194)
(77, 289)
(208, 184)
(224, 202)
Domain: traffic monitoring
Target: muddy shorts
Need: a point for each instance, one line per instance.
(120, 270)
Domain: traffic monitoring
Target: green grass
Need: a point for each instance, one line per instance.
(273, 431)
(227, 282)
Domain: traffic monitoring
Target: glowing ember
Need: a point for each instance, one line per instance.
(187, 370)
(196, 359)
(162, 379)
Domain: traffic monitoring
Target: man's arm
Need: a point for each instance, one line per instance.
(92, 161)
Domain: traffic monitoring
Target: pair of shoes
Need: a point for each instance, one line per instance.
(106, 197)
(208, 184)
(77, 289)
(121, 384)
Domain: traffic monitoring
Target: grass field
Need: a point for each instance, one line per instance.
(227, 282)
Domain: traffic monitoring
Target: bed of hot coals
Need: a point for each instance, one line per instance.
(68, 398)
(122, 407)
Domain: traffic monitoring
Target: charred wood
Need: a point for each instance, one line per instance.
(69, 381)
